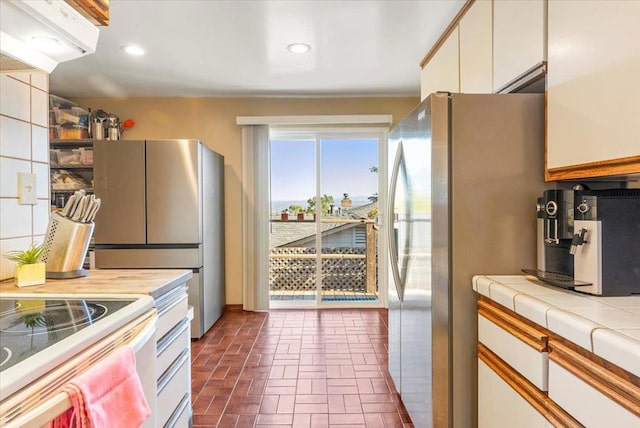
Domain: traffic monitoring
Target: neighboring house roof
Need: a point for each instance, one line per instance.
(361, 211)
(293, 233)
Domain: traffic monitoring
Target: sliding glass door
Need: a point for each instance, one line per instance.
(325, 218)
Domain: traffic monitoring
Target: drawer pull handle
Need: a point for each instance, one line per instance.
(171, 371)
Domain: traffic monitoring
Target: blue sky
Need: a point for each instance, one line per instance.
(345, 167)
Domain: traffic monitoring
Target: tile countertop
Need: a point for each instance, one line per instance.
(153, 282)
(607, 326)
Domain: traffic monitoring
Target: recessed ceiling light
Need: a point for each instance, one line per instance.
(134, 50)
(299, 48)
(47, 44)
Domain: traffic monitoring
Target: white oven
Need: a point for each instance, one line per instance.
(46, 340)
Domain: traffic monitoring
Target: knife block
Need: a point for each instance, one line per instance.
(65, 247)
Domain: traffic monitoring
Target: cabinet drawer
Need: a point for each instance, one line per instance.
(180, 418)
(520, 345)
(172, 387)
(585, 403)
(171, 314)
(171, 346)
(511, 410)
(507, 399)
(594, 392)
(529, 362)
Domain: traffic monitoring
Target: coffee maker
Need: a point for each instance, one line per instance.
(589, 240)
(606, 243)
(555, 212)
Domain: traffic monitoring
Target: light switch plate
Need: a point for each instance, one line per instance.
(27, 189)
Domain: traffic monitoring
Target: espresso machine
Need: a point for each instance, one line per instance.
(555, 210)
(606, 243)
(589, 240)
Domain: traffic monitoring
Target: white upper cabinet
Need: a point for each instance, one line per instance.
(519, 38)
(442, 72)
(476, 62)
(593, 99)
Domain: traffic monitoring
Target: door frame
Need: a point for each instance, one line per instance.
(318, 133)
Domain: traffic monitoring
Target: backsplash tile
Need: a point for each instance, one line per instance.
(40, 80)
(23, 76)
(39, 144)
(15, 138)
(41, 214)
(41, 170)
(15, 99)
(24, 147)
(39, 107)
(6, 245)
(15, 219)
(9, 169)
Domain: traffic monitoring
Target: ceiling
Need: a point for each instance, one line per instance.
(209, 48)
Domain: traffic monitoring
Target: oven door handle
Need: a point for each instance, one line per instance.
(40, 414)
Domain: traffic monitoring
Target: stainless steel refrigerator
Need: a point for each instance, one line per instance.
(163, 207)
(466, 170)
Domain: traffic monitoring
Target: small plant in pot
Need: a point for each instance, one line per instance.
(30, 269)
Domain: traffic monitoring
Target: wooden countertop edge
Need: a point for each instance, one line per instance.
(181, 279)
(137, 282)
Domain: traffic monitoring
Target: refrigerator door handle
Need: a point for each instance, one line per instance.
(398, 277)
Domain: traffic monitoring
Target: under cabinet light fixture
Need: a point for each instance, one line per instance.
(134, 50)
(47, 44)
(299, 48)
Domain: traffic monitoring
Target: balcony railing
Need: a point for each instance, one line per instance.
(343, 269)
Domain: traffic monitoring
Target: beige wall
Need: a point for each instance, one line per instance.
(213, 120)
(24, 147)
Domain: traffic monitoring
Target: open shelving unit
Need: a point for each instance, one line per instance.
(59, 195)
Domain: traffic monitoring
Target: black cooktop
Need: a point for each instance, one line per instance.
(30, 325)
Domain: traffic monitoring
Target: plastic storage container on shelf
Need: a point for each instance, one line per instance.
(67, 120)
(68, 132)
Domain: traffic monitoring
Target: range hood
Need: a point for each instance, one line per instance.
(40, 34)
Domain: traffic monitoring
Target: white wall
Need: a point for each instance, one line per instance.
(24, 147)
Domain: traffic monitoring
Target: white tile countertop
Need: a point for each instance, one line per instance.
(607, 326)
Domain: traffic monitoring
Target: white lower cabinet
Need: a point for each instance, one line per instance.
(513, 372)
(173, 386)
(530, 375)
(173, 360)
(500, 406)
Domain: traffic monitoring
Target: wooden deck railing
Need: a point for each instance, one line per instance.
(343, 268)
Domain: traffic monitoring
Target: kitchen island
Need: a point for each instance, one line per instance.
(555, 356)
(170, 371)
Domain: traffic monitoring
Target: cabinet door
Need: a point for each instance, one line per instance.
(476, 61)
(519, 38)
(442, 72)
(593, 89)
(499, 406)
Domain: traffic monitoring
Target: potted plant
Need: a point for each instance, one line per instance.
(30, 270)
(284, 215)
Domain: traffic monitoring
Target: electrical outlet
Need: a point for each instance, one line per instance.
(27, 189)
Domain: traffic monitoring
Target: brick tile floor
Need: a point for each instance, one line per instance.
(295, 368)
